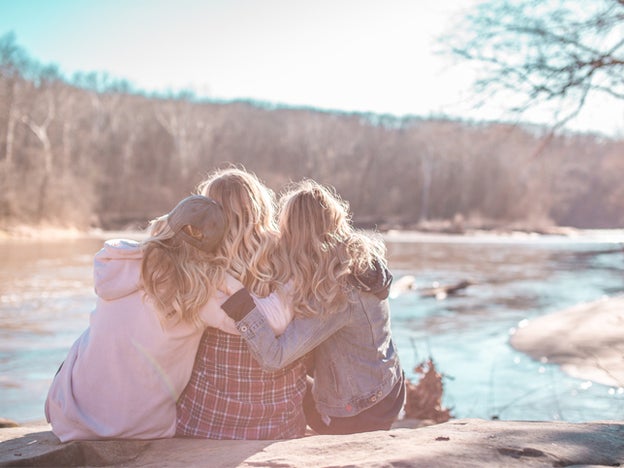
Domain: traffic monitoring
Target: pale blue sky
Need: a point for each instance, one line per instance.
(351, 55)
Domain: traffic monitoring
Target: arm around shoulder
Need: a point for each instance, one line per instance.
(301, 336)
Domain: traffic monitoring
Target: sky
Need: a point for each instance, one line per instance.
(349, 55)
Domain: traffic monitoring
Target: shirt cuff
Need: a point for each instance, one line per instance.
(239, 305)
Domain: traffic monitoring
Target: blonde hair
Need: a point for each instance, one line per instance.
(251, 239)
(319, 248)
(177, 277)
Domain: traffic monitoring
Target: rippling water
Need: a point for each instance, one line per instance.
(46, 296)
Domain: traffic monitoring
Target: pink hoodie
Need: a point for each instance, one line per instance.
(123, 375)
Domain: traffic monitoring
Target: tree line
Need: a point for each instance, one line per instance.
(91, 151)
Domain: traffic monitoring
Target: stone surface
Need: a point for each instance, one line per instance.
(586, 340)
(465, 443)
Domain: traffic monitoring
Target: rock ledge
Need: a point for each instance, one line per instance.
(463, 442)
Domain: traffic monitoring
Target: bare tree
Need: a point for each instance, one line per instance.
(11, 59)
(11, 63)
(544, 52)
(40, 128)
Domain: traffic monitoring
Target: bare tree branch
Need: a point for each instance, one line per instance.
(560, 52)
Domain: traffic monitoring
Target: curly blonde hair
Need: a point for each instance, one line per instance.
(319, 248)
(252, 236)
(177, 277)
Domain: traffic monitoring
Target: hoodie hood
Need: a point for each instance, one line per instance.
(375, 280)
(117, 269)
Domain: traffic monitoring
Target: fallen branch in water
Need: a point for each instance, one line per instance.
(441, 292)
(408, 283)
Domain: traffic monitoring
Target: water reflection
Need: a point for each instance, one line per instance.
(46, 296)
(467, 333)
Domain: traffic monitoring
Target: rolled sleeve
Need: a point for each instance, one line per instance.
(261, 341)
(300, 337)
(239, 304)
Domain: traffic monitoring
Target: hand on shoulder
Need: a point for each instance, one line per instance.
(212, 315)
(230, 285)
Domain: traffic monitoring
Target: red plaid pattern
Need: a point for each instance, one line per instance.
(229, 396)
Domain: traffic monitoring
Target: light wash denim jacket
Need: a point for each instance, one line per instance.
(356, 361)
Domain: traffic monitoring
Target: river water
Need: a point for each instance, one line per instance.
(46, 295)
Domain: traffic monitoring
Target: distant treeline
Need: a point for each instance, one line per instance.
(88, 151)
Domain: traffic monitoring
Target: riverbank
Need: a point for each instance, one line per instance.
(509, 235)
(52, 233)
(465, 442)
(586, 340)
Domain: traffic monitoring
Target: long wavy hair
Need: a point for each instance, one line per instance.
(177, 277)
(319, 248)
(251, 239)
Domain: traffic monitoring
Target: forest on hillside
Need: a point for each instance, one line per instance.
(90, 151)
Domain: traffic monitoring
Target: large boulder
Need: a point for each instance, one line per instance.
(464, 442)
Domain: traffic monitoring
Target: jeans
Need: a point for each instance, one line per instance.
(376, 418)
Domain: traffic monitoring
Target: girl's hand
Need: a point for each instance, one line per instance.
(228, 326)
(230, 285)
(214, 316)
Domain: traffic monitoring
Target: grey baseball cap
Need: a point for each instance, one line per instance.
(202, 213)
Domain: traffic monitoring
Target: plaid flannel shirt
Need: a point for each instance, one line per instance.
(229, 396)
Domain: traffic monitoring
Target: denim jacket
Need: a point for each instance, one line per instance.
(356, 361)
